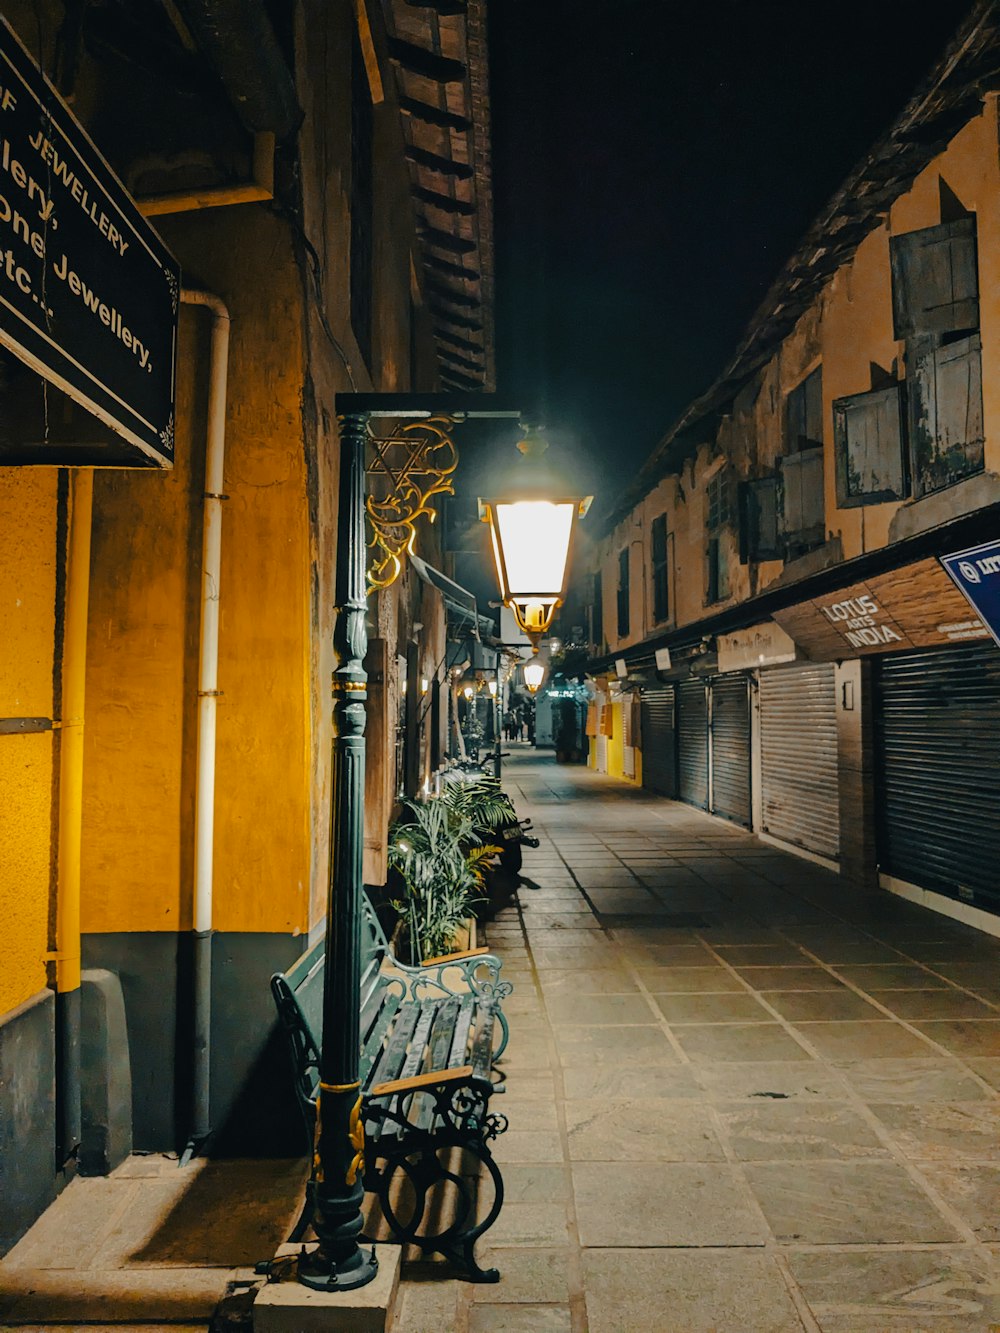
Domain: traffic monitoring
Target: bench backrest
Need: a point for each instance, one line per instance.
(305, 976)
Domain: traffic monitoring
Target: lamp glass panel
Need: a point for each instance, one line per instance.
(534, 535)
(533, 673)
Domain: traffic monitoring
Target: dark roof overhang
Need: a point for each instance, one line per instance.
(439, 54)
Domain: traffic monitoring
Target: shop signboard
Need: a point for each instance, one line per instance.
(766, 644)
(976, 573)
(88, 291)
(914, 607)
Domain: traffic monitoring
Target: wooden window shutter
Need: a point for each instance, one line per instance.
(661, 590)
(946, 414)
(591, 727)
(759, 536)
(935, 282)
(868, 446)
(804, 414)
(607, 720)
(635, 724)
(803, 509)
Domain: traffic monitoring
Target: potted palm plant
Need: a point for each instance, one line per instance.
(441, 861)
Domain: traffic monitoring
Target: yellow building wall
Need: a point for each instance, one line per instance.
(616, 742)
(28, 591)
(144, 621)
(847, 327)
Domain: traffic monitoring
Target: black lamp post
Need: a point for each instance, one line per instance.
(424, 470)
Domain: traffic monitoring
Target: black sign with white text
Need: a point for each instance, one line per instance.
(88, 292)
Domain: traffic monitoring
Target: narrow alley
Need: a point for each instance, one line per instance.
(740, 1099)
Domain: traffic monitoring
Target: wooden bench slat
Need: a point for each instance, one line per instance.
(460, 1041)
(439, 1049)
(371, 1048)
(370, 1010)
(482, 1046)
(418, 1042)
(388, 1066)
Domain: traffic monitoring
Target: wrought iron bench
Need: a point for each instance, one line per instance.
(427, 1051)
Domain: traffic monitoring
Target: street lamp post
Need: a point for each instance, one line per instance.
(339, 1263)
(410, 482)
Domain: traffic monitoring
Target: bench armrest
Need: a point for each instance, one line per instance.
(454, 957)
(431, 1080)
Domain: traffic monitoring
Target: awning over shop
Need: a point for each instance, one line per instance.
(462, 617)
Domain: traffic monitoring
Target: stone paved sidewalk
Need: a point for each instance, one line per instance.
(740, 1097)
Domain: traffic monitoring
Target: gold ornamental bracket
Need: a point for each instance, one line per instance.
(408, 467)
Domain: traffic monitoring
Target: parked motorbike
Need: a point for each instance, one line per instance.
(510, 833)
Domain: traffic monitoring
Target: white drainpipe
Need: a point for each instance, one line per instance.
(208, 693)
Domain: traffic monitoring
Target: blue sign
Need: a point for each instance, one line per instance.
(976, 573)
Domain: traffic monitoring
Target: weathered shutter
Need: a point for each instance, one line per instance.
(937, 745)
(692, 731)
(730, 735)
(946, 414)
(935, 284)
(868, 444)
(659, 741)
(798, 745)
(804, 413)
(803, 510)
(759, 537)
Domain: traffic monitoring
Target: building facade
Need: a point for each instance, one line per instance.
(777, 639)
(322, 177)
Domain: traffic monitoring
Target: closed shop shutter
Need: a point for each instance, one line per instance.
(731, 748)
(692, 728)
(937, 738)
(798, 745)
(659, 741)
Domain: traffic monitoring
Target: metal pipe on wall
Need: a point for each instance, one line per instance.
(70, 812)
(208, 695)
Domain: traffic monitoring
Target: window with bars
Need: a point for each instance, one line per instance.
(623, 593)
(660, 571)
(718, 515)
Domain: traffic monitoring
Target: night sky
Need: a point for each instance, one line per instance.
(655, 165)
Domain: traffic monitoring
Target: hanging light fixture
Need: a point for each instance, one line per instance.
(534, 674)
(532, 518)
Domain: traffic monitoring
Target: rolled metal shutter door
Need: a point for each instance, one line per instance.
(731, 748)
(937, 729)
(659, 741)
(692, 734)
(800, 798)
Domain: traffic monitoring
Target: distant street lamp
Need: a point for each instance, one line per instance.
(534, 673)
(532, 519)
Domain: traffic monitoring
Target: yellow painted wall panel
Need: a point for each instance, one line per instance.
(616, 742)
(28, 515)
(25, 864)
(27, 590)
(145, 610)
